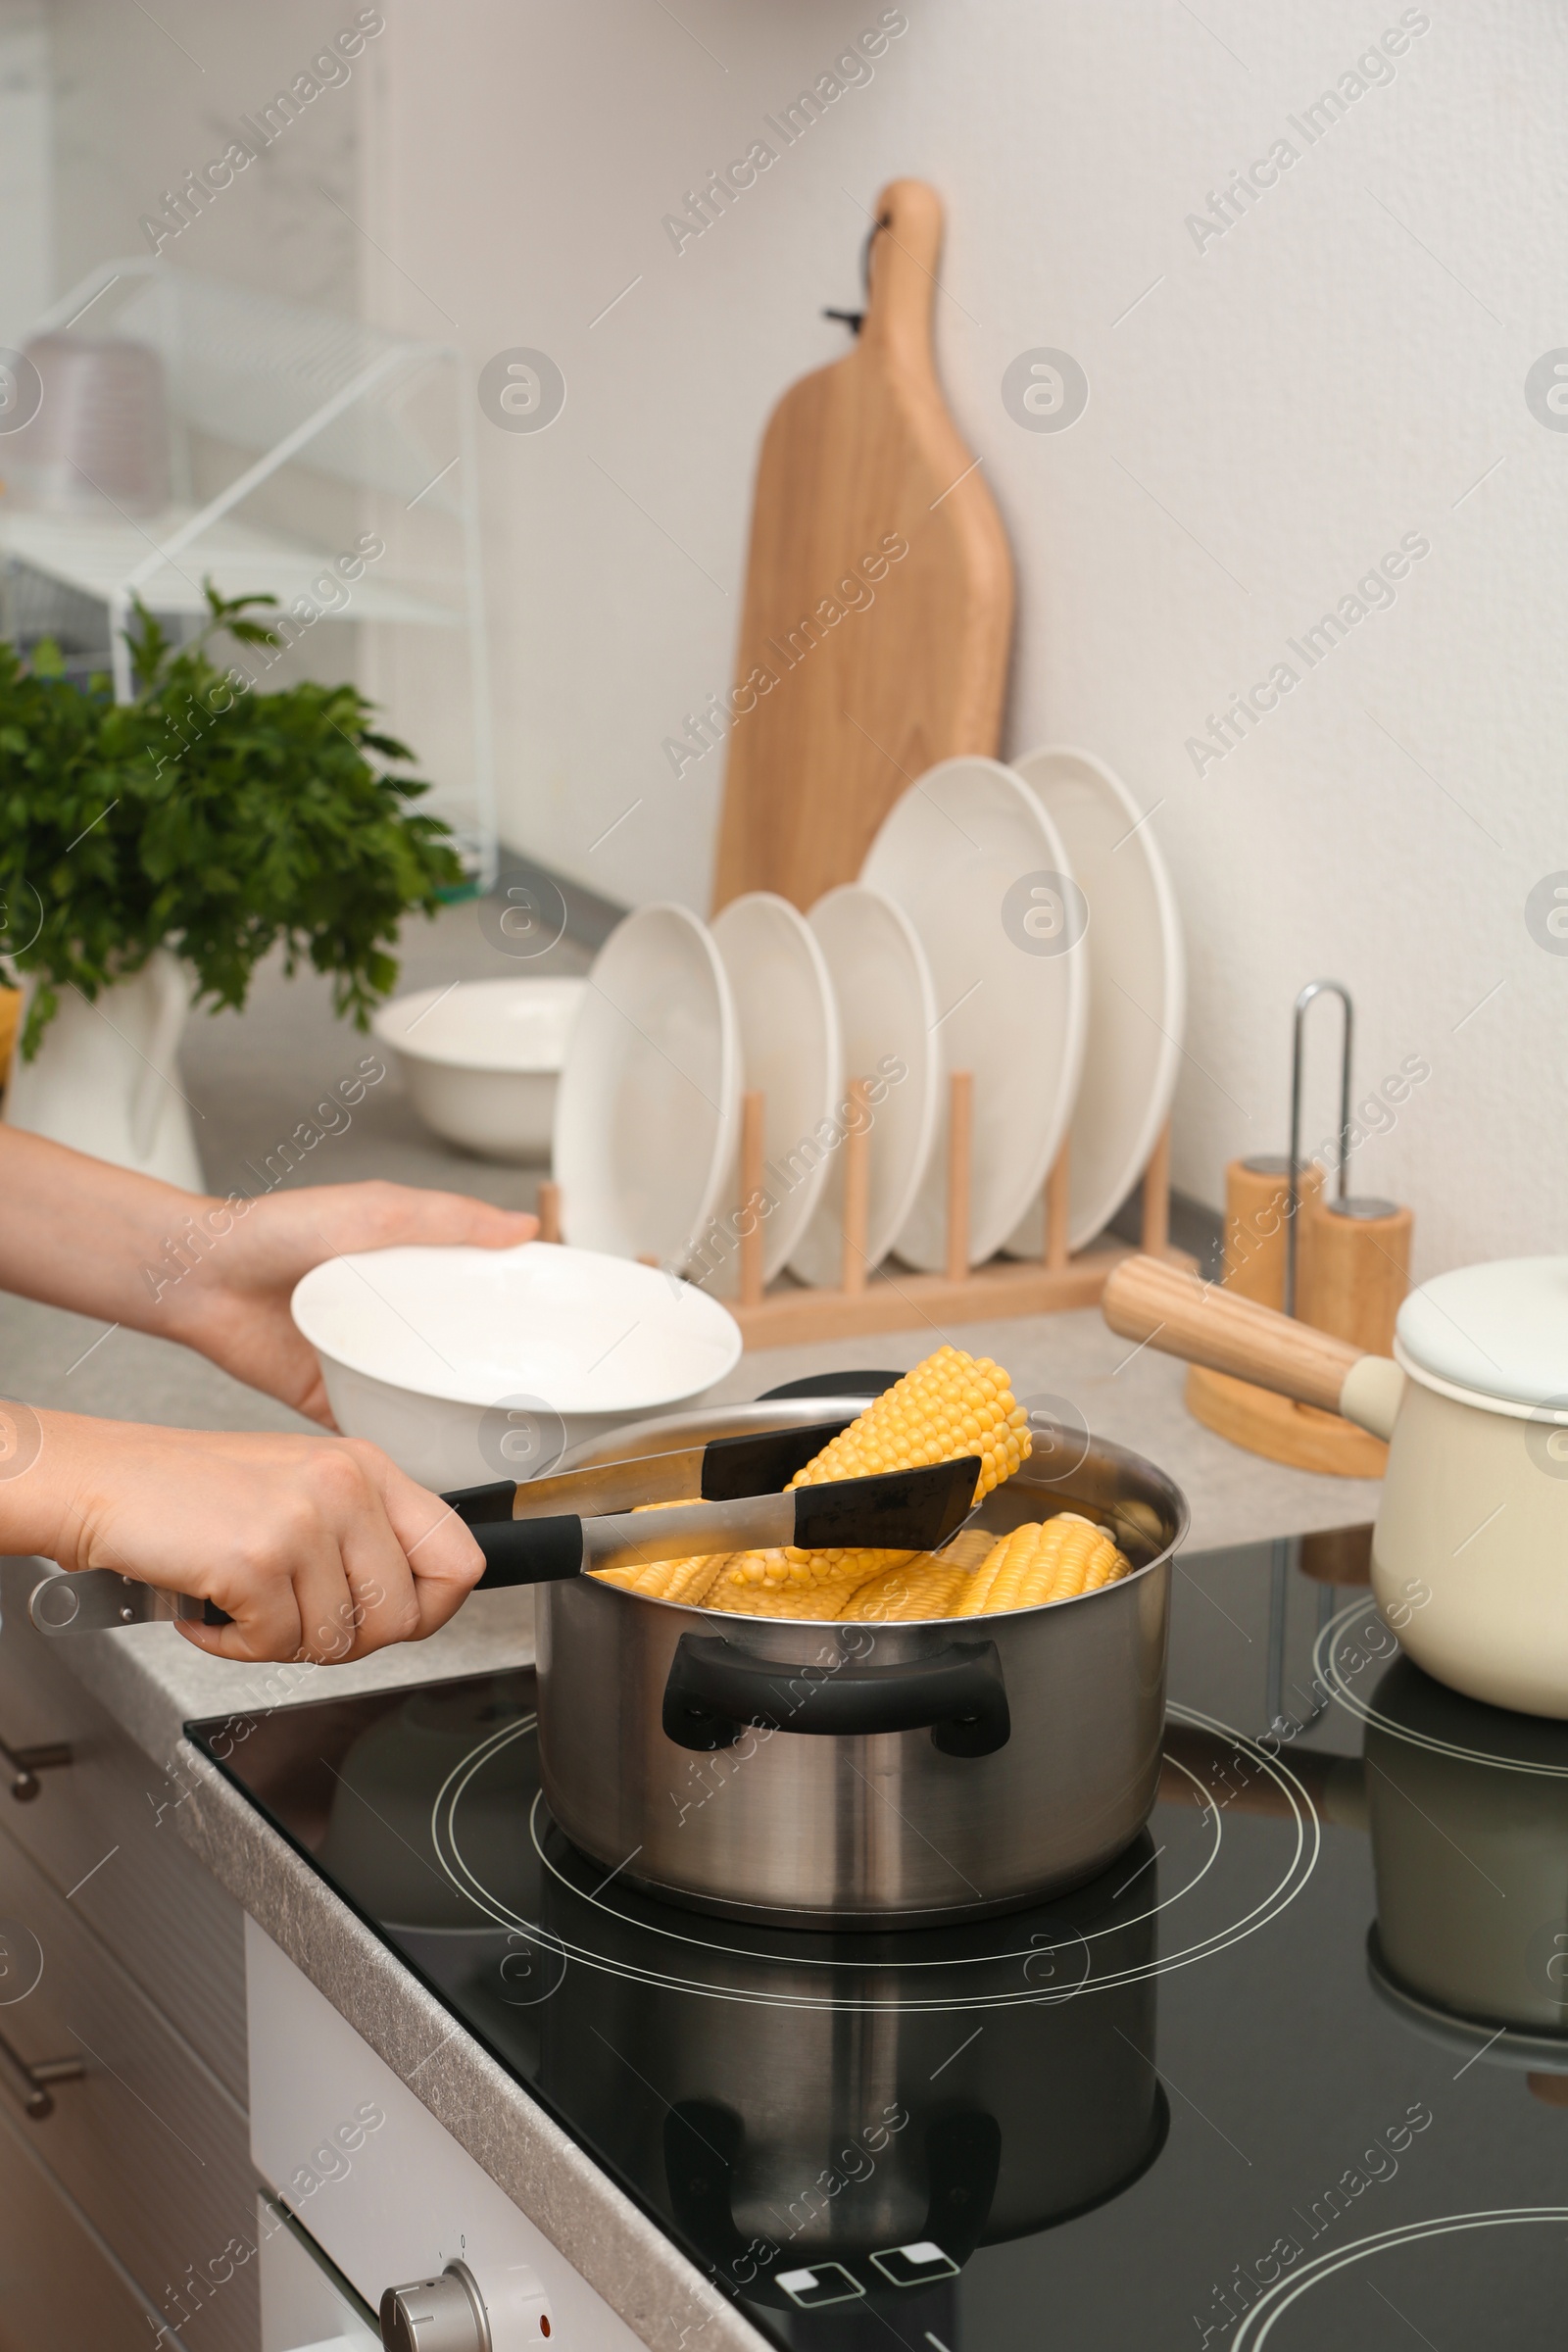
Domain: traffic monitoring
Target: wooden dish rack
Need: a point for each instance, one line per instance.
(868, 1300)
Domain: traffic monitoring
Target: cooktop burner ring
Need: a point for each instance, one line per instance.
(1260, 2321)
(699, 1932)
(1327, 1668)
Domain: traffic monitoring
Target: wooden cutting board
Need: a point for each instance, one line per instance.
(859, 665)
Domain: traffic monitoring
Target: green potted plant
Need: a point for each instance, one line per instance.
(153, 851)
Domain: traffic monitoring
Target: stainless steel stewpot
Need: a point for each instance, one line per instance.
(865, 1775)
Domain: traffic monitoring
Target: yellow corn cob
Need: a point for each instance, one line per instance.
(754, 1587)
(686, 1580)
(1054, 1560)
(949, 1405)
(928, 1584)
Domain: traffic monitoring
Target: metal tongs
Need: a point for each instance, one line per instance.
(528, 1538)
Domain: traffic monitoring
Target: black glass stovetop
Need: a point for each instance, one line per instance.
(1293, 2071)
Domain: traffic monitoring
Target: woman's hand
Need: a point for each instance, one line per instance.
(232, 1305)
(216, 1274)
(317, 1548)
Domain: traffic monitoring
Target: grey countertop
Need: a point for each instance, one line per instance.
(252, 1078)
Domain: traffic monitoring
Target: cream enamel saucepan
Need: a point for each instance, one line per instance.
(1470, 1553)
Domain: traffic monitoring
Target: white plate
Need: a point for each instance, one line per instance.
(1138, 985)
(887, 1013)
(976, 864)
(648, 1112)
(479, 1059)
(791, 1049)
(468, 1365)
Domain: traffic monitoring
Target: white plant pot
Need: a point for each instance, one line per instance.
(105, 1076)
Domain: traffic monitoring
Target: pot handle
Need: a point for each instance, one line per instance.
(716, 1688)
(1173, 1309)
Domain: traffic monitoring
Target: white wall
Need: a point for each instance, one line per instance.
(141, 99)
(1339, 369)
(26, 190)
(1336, 371)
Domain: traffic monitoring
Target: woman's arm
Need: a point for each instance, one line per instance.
(214, 1274)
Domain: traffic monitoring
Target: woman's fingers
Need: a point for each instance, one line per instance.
(235, 1309)
(355, 1592)
(281, 1575)
(379, 1215)
(441, 1551)
(353, 1584)
(286, 1234)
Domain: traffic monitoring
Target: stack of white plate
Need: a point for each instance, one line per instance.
(1014, 922)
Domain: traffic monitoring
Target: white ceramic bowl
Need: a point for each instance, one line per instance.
(482, 1061)
(467, 1365)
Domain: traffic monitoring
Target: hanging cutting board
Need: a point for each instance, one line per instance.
(859, 666)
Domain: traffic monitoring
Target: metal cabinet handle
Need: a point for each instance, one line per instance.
(26, 1763)
(28, 2083)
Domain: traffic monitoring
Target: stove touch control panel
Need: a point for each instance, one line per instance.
(385, 2191)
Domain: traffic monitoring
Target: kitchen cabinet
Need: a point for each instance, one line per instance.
(59, 2284)
(121, 1952)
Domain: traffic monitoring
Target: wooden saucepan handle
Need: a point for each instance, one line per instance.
(1175, 1311)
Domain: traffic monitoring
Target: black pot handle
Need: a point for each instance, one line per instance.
(714, 1688)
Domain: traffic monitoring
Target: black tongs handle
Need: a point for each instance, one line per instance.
(527, 1552)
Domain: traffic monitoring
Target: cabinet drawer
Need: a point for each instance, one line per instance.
(57, 2286)
(148, 2143)
(95, 1830)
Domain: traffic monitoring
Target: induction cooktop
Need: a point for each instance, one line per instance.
(1294, 2071)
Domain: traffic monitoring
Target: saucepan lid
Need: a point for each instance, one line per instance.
(1493, 1335)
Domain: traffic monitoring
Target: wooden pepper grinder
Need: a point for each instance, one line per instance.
(1342, 1265)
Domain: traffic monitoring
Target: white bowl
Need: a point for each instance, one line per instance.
(481, 1059)
(467, 1365)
